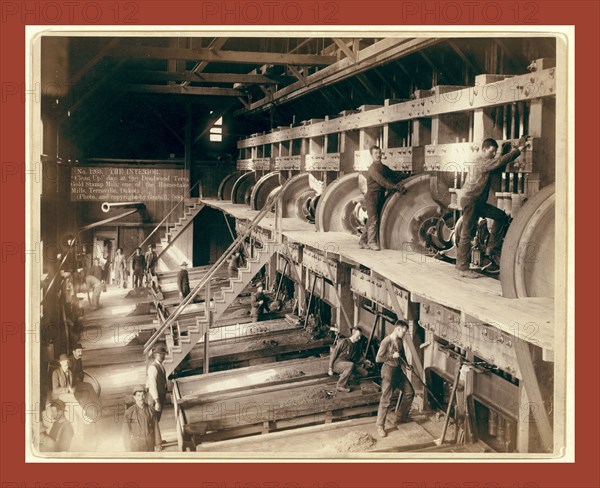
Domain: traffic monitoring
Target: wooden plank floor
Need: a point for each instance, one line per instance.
(323, 441)
(531, 319)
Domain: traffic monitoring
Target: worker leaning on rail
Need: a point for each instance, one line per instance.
(474, 195)
(380, 179)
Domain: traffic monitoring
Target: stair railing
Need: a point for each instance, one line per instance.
(272, 201)
(164, 220)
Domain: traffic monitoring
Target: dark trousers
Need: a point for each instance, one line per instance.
(472, 210)
(394, 379)
(345, 369)
(138, 276)
(373, 205)
(142, 444)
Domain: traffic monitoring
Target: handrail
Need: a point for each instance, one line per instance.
(167, 216)
(211, 272)
(74, 240)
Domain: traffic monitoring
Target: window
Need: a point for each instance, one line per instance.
(216, 131)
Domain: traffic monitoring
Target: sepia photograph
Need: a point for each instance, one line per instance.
(313, 244)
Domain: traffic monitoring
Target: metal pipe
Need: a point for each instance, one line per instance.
(107, 206)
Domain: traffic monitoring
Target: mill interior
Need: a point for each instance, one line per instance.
(245, 163)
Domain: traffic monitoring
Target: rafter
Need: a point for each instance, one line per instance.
(216, 43)
(347, 51)
(218, 56)
(301, 76)
(371, 56)
(183, 90)
(95, 60)
(189, 76)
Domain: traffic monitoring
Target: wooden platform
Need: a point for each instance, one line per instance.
(266, 398)
(530, 319)
(239, 345)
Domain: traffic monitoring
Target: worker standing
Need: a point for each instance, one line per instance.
(391, 354)
(474, 204)
(140, 425)
(183, 281)
(138, 264)
(151, 258)
(119, 265)
(380, 179)
(157, 381)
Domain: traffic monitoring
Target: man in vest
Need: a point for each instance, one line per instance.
(157, 381)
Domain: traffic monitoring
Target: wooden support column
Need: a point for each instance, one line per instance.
(534, 410)
(484, 125)
(188, 137)
(344, 314)
(206, 359)
(416, 360)
(524, 421)
(542, 123)
(272, 270)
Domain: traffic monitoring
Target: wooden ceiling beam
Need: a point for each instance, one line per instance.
(372, 56)
(345, 49)
(218, 56)
(183, 90)
(190, 76)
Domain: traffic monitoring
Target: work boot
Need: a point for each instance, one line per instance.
(343, 389)
(381, 432)
(373, 246)
(467, 273)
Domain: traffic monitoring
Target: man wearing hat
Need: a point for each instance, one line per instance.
(84, 392)
(183, 281)
(57, 432)
(77, 363)
(138, 264)
(140, 425)
(157, 381)
(62, 378)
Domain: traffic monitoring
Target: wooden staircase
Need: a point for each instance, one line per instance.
(180, 339)
(169, 257)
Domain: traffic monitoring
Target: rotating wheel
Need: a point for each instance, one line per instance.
(295, 193)
(407, 221)
(242, 188)
(226, 185)
(263, 188)
(337, 204)
(527, 261)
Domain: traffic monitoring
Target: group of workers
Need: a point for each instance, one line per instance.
(140, 426)
(349, 358)
(473, 201)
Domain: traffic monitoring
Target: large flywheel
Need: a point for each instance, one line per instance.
(527, 262)
(338, 205)
(263, 188)
(408, 222)
(297, 196)
(226, 185)
(242, 188)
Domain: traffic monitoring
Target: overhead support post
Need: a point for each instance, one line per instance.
(539, 416)
(416, 360)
